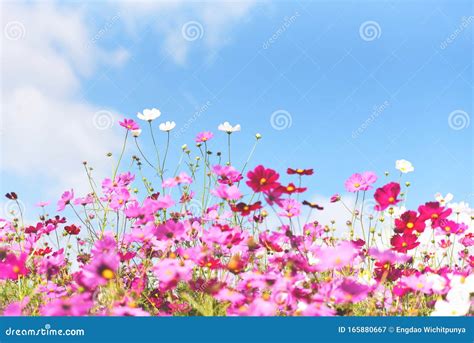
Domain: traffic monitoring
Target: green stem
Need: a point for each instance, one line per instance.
(121, 155)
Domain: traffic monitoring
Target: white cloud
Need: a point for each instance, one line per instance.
(47, 50)
(214, 20)
(47, 131)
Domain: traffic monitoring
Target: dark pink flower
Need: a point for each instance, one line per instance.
(262, 179)
(387, 195)
(129, 124)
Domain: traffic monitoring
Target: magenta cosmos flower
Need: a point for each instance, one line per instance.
(101, 270)
(129, 124)
(387, 195)
(227, 174)
(262, 179)
(204, 136)
(13, 267)
(360, 182)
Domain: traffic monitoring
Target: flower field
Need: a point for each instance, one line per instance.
(206, 237)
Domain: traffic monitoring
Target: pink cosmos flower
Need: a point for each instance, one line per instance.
(12, 267)
(418, 283)
(75, 305)
(65, 200)
(170, 271)
(449, 227)
(227, 174)
(107, 244)
(88, 199)
(129, 311)
(51, 265)
(405, 242)
(15, 309)
(435, 212)
(52, 290)
(262, 179)
(291, 208)
(228, 193)
(388, 256)
(101, 270)
(119, 199)
(204, 136)
(182, 178)
(387, 195)
(171, 230)
(360, 182)
(336, 257)
(352, 291)
(273, 196)
(42, 204)
(467, 240)
(129, 124)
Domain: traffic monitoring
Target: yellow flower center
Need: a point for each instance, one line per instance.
(356, 185)
(410, 225)
(263, 181)
(290, 188)
(447, 228)
(391, 199)
(107, 274)
(434, 216)
(299, 171)
(16, 269)
(246, 208)
(404, 244)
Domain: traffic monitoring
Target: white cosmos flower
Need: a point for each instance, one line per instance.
(438, 282)
(443, 200)
(226, 127)
(136, 132)
(149, 114)
(168, 126)
(460, 207)
(463, 282)
(448, 308)
(404, 166)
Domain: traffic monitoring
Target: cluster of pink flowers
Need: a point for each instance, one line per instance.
(258, 250)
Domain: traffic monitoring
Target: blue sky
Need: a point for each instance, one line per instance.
(311, 60)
